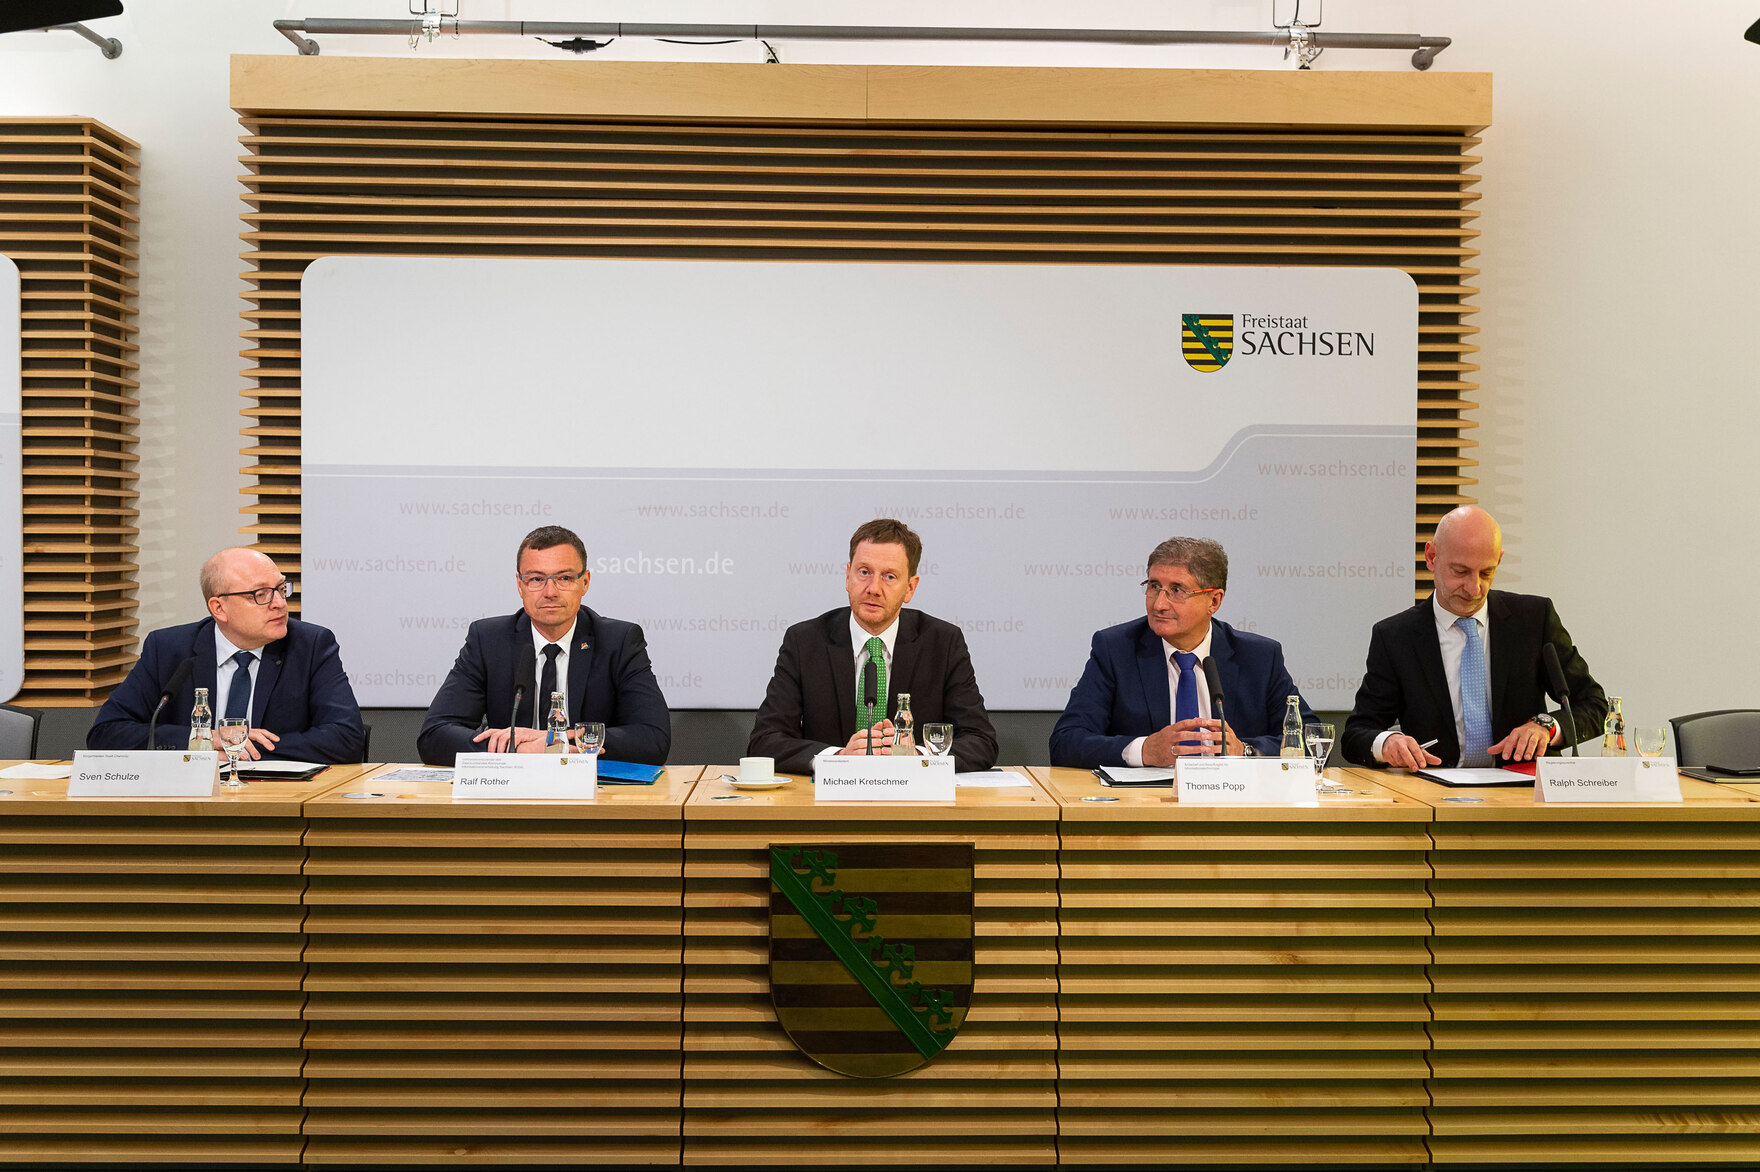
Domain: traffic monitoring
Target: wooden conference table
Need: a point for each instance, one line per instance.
(357, 970)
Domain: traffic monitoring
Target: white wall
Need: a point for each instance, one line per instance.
(1621, 252)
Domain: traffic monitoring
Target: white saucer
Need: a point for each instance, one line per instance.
(766, 783)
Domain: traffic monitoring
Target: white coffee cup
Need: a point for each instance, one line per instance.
(757, 768)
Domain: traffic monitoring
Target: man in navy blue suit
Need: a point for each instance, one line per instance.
(599, 664)
(1143, 700)
(254, 660)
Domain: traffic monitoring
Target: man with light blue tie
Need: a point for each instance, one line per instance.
(1143, 699)
(1463, 671)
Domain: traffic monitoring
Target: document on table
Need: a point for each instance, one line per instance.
(30, 771)
(1124, 777)
(280, 770)
(1475, 778)
(414, 773)
(991, 779)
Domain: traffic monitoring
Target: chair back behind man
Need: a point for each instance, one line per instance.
(1727, 737)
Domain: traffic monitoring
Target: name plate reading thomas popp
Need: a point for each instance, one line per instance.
(1607, 779)
(143, 773)
(1226, 781)
(883, 779)
(525, 775)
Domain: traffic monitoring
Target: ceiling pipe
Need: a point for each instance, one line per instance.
(1424, 49)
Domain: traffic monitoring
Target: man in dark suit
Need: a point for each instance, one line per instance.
(255, 661)
(1429, 672)
(1143, 700)
(810, 708)
(599, 664)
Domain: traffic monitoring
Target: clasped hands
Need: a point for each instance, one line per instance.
(1524, 743)
(527, 740)
(1196, 735)
(858, 744)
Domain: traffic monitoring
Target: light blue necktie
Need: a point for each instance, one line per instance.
(1475, 697)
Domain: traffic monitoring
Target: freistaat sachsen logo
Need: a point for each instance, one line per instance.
(871, 951)
(1206, 340)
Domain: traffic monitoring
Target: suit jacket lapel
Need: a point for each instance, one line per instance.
(1503, 656)
(207, 669)
(580, 663)
(907, 653)
(1152, 667)
(522, 636)
(840, 656)
(1430, 661)
(1222, 651)
(268, 672)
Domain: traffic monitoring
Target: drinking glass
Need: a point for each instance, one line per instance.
(231, 733)
(1650, 739)
(939, 738)
(1319, 738)
(588, 738)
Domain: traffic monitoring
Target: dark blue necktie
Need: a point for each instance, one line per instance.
(1185, 705)
(238, 693)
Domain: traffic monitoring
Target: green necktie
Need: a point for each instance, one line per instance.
(877, 656)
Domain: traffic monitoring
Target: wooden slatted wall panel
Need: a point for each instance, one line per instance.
(752, 1098)
(327, 185)
(66, 219)
(1597, 990)
(494, 990)
(151, 969)
(1236, 991)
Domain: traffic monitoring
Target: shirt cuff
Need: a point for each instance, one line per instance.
(1133, 753)
(1376, 747)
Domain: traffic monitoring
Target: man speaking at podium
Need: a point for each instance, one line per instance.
(599, 664)
(1465, 668)
(1143, 699)
(815, 702)
(282, 675)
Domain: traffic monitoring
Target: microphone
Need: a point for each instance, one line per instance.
(525, 663)
(172, 686)
(871, 688)
(1213, 681)
(1555, 677)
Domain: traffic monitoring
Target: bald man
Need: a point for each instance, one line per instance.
(255, 661)
(1463, 668)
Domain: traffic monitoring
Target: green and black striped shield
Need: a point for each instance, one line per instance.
(871, 952)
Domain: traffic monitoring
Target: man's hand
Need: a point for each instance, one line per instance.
(528, 740)
(259, 736)
(1197, 735)
(1404, 752)
(1524, 743)
(858, 744)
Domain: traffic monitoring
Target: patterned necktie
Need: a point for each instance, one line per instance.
(876, 656)
(546, 685)
(1185, 705)
(1475, 697)
(238, 693)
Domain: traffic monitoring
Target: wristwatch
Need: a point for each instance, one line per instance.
(1545, 721)
(1248, 751)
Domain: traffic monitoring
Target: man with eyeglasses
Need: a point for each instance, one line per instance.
(1143, 699)
(599, 664)
(285, 676)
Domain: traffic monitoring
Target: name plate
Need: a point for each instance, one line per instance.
(143, 773)
(1229, 781)
(1607, 779)
(883, 779)
(525, 775)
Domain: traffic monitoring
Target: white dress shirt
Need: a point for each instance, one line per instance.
(1133, 752)
(1453, 641)
(226, 675)
(541, 709)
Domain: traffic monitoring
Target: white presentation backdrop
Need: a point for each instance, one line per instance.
(11, 481)
(715, 430)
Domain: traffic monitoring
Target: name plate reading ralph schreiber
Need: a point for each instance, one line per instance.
(525, 775)
(143, 773)
(1607, 779)
(1228, 781)
(883, 779)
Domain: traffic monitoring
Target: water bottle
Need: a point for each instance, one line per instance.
(904, 727)
(556, 728)
(1292, 730)
(1613, 731)
(201, 724)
